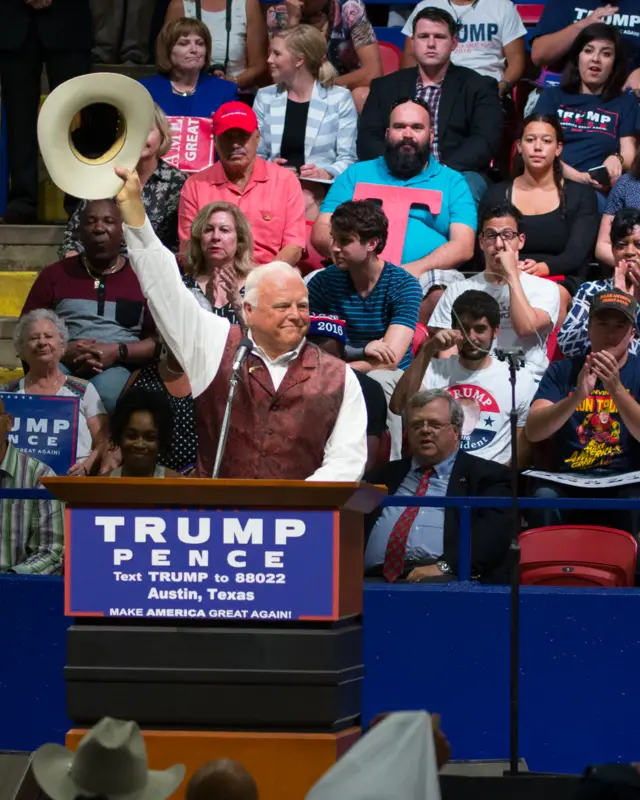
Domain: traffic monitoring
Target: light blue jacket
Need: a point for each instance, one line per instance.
(330, 137)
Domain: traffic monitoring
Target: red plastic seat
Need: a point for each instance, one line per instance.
(554, 353)
(588, 555)
(391, 57)
(421, 334)
(530, 13)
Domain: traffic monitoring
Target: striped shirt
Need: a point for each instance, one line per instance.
(31, 531)
(394, 300)
(431, 96)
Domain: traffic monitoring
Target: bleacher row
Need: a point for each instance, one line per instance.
(25, 250)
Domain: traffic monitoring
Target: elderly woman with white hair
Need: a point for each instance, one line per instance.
(161, 187)
(40, 338)
(298, 413)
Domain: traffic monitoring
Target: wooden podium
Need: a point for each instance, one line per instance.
(258, 663)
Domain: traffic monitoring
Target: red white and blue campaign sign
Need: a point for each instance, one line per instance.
(44, 427)
(201, 564)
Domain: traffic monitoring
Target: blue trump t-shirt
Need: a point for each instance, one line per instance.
(594, 439)
(425, 231)
(559, 14)
(592, 128)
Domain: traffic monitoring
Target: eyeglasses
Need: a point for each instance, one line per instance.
(428, 425)
(506, 235)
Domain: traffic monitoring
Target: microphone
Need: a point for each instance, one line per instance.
(244, 348)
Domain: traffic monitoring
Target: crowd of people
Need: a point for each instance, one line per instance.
(364, 232)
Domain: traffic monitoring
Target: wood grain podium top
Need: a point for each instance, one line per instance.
(209, 493)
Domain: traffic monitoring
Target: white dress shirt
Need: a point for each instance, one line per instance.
(198, 339)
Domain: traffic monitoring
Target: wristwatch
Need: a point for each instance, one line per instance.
(444, 567)
(123, 352)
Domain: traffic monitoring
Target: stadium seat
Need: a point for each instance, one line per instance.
(588, 555)
(421, 334)
(391, 57)
(530, 13)
(392, 34)
(554, 353)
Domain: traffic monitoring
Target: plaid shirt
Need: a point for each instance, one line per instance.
(31, 531)
(431, 96)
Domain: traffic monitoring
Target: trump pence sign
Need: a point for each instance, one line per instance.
(202, 564)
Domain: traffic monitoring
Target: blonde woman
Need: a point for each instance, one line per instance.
(306, 122)
(161, 187)
(218, 259)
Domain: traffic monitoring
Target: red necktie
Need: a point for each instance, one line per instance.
(397, 544)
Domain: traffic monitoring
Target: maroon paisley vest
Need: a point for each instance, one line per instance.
(278, 435)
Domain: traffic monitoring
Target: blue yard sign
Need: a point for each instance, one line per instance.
(44, 427)
(201, 564)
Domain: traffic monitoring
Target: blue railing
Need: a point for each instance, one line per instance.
(465, 504)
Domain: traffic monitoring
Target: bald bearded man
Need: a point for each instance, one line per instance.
(299, 413)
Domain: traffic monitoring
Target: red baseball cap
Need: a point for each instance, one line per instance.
(234, 115)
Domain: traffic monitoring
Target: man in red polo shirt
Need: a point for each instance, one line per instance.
(269, 195)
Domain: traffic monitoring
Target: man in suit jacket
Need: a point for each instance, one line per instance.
(32, 33)
(418, 544)
(466, 114)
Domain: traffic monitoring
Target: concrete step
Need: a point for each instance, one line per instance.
(14, 288)
(28, 247)
(10, 365)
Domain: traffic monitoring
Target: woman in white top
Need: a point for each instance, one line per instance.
(40, 338)
(240, 54)
(306, 122)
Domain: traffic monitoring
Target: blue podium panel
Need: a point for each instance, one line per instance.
(202, 564)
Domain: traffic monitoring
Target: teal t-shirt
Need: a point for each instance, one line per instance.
(425, 231)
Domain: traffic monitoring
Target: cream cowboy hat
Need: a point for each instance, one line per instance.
(111, 761)
(93, 178)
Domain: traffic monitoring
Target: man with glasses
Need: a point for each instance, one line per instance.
(529, 306)
(573, 337)
(422, 543)
(31, 531)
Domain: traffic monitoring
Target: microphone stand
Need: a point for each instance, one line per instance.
(514, 356)
(224, 429)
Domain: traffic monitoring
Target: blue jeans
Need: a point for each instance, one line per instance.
(477, 183)
(109, 384)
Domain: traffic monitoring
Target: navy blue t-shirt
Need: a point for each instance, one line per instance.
(394, 300)
(594, 439)
(558, 14)
(592, 129)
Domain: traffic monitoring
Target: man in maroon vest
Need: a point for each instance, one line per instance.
(299, 413)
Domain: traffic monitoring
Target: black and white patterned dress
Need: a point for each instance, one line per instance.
(184, 440)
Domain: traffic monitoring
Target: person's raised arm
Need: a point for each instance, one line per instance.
(196, 336)
(525, 319)
(547, 416)
(553, 46)
(411, 380)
